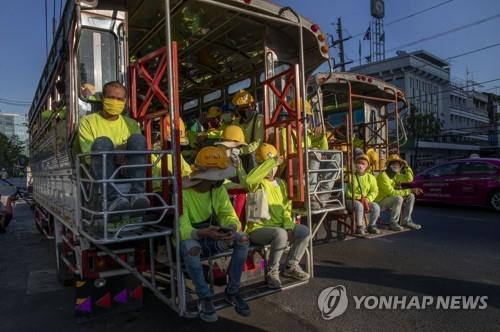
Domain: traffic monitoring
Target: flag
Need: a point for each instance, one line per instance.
(382, 37)
(367, 34)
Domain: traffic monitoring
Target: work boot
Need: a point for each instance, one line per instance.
(411, 225)
(240, 305)
(118, 204)
(372, 229)
(139, 202)
(295, 271)
(395, 227)
(273, 279)
(360, 231)
(207, 310)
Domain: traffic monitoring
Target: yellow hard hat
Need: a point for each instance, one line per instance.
(211, 157)
(264, 152)
(374, 157)
(242, 98)
(363, 157)
(307, 104)
(395, 157)
(214, 112)
(234, 134)
(182, 131)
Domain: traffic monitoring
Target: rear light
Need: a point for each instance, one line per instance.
(247, 1)
(321, 38)
(315, 28)
(324, 49)
(105, 263)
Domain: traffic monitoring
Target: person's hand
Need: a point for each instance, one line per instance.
(120, 159)
(318, 131)
(236, 160)
(252, 147)
(417, 191)
(280, 160)
(211, 232)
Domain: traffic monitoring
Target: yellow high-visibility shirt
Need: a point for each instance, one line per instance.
(156, 171)
(198, 207)
(94, 125)
(313, 142)
(280, 206)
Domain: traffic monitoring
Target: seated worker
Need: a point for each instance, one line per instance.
(364, 194)
(316, 139)
(391, 196)
(185, 167)
(213, 127)
(209, 225)
(280, 227)
(232, 140)
(109, 130)
(252, 124)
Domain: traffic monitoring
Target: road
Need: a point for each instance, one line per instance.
(456, 253)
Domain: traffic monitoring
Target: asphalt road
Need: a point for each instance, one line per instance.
(456, 253)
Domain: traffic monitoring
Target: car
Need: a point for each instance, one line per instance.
(472, 181)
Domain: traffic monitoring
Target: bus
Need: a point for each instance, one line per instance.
(176, 58)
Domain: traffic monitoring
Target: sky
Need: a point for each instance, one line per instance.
(23, 51)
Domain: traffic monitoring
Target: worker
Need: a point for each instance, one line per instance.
(252, 124)
(275, 226)
(209, 225)
(109, 130)
(361, 192)
(392, 197)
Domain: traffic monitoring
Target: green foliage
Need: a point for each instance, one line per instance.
(419, 125)
(11, 150)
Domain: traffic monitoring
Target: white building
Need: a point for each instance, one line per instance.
(14, 125)
(425, 79)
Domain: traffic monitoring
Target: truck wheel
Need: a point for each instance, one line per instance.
(495, 200)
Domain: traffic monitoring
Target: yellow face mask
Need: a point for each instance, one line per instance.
(113, 106)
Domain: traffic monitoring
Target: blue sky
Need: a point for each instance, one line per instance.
(22, 36)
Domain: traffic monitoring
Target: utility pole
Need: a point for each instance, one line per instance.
(340, 41)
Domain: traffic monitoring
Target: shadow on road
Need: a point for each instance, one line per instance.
(428, 285)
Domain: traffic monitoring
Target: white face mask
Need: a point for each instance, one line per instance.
(361, 168)
(396, 168)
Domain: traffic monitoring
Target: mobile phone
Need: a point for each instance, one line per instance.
(225, 230)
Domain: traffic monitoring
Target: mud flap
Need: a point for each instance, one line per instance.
(99, 297)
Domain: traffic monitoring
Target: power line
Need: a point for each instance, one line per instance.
(450, 90)
(447, 32)
(410, 15)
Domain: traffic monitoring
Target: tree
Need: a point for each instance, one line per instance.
(421, 125)
(11, 150)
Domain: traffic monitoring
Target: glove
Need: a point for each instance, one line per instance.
(252, 147)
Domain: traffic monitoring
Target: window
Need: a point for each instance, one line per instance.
(239, 86)
(190, 104)
(212, 96)
(478, 168)
(97, 62)
(443, 170)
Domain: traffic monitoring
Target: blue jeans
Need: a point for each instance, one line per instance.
(193, 250)
(136, 142)
(359, 212)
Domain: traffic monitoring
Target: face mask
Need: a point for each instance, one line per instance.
(361, 168)
(396, 168)
(113, 106)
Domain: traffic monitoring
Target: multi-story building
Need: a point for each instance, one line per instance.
(14, 125)
(463, 112)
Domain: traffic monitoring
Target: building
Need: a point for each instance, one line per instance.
(14, 125)
(463, 112)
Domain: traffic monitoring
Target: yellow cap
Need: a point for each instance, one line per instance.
(211, 157)
(214, 112)
(233, 133)
(242, 98)
(395, 157)
(264, 152)
(363, 157)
